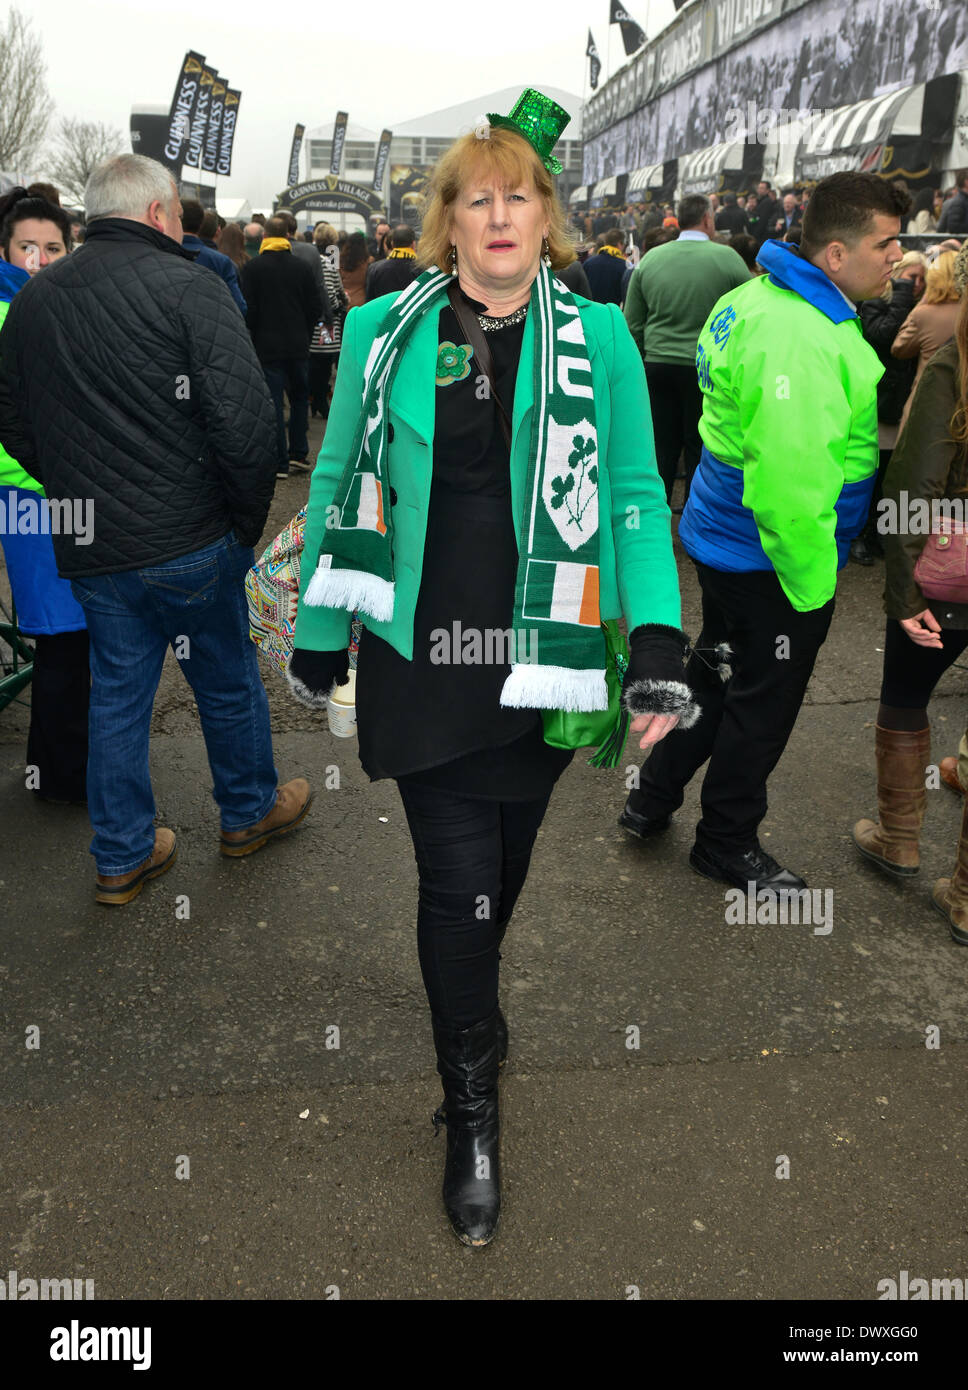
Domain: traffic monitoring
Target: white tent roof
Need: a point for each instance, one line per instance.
(353, 131)
(455, 120)
(234, 209)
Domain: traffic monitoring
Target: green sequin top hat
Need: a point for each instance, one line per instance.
(540, 120)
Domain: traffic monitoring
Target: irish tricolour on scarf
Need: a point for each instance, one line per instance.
(556, 593)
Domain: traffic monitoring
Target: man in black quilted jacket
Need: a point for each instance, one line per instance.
(130, 390)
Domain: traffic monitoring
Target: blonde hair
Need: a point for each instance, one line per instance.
(939, 284)
(325, 235)
(908, 259)
(512, 162)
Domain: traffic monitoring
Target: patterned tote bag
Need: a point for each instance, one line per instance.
(272, 594)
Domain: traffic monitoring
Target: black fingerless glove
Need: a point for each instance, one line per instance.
(655, 682)
(312, 675)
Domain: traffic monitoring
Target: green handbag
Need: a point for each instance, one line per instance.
(602, 729)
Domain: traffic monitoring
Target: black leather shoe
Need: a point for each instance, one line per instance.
(860, 552)
(467, 1059)
(755, 866)
(642, 826)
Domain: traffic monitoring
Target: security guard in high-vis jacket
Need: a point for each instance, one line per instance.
(789, 430)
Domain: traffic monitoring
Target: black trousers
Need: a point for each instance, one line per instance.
(911, 672)
(676, 401)
(746, 721)
(320, 369)
(60, 691)
(473, 858)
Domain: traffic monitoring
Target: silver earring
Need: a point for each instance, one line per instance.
(453, 260)
(546, 253)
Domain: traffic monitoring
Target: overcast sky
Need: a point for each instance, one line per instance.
(383, 61)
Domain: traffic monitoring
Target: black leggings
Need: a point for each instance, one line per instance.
(911, 672)
(473, 859)
(59, 698)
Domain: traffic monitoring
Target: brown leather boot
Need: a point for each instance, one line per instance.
(293, 800)
(892, 843)
(948, 768)
(950, 895)
(121, 888)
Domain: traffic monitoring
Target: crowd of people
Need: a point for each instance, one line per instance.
(500, 407)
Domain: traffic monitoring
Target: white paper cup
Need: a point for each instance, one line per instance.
(341, 709)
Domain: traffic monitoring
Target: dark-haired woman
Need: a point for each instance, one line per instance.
(922, 218)
(353, 261)
(33, 233)
(232, 244)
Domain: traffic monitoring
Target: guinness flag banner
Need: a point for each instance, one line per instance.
(183, 107)
(594, 64)
(230, 115)
(199, 122)
(339, 139)
(149, 135)
(382, 154)
(632, 36)
(213, 130)
(297, 139)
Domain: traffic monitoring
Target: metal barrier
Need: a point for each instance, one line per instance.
(16, 658)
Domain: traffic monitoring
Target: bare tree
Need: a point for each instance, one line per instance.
(78, 148)
(25, 104)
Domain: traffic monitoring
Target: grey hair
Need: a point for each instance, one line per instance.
(126, 185)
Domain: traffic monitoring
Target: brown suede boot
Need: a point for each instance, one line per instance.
(293, 800)
(950, 895)
(121, 888)
(892, 843)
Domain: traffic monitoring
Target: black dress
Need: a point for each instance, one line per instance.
(437, 720)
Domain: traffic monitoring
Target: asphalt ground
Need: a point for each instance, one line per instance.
(188, 1127)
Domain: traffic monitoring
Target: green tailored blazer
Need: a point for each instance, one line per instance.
(637, 570)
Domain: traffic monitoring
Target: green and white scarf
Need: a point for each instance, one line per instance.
(557, 625)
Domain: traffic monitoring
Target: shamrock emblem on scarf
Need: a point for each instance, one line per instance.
(562, 486)
(453, 362)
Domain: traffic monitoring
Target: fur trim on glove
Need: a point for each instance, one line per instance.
(315, 699)
(662, 697)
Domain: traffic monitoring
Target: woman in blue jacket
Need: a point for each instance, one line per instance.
(484, 516)
(34, 232)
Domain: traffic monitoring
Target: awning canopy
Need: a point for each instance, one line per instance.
(881, 134)
(649, 176)
(853, 137)
(609, 190)
(578, 195)
(702, 172)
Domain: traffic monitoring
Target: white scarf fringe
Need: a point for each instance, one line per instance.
(532, 686)
(350, 589)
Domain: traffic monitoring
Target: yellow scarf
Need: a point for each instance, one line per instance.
(402, 253)
(274, 243)
(615, 251)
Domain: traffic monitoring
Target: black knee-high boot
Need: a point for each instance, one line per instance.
(467, 1060)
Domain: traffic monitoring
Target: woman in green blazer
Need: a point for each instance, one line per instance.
(486, 493)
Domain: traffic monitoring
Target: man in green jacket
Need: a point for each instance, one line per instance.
(669, 298)
(789, 430)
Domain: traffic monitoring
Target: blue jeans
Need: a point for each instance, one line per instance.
(197, 605)
(291, 375)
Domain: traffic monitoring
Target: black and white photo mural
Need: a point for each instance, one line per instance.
(752, 69)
